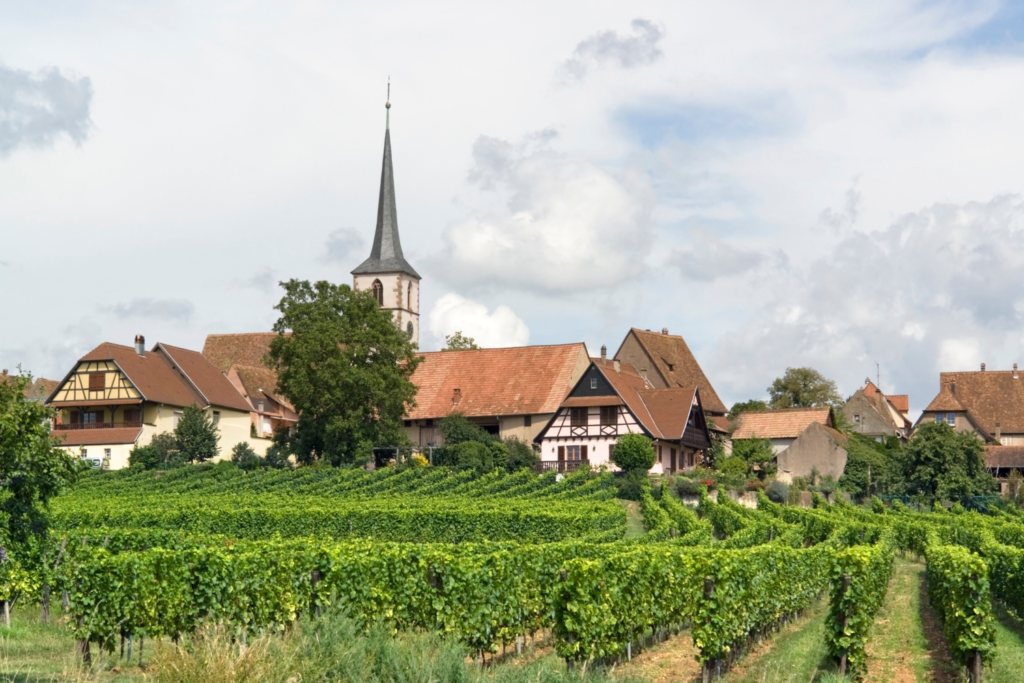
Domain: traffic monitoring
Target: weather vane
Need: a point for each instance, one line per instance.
(387, 104)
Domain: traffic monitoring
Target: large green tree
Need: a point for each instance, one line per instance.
(943, 463)
(459, 342)
(345, 366)
(196, 435)
(33, 468)
(803, 388)
(744, 406)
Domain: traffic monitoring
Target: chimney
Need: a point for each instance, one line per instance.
(5, 371)
(983, 367)
(604, 353)
(664, 330)
(1015, 375)
(457, 397)
(617, 366)
(140, 345)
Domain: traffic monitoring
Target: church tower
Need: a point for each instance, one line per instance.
(387, 274)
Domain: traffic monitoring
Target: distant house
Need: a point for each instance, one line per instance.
(874, 414)
(507, 391)
(116, 397)
(989, 403)
(612, 399)
(1001, 460)
(240, 358)
(818, 448)
(37, 391)
(781, 427)
(666, 361)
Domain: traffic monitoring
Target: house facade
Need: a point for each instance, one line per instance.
(506, 391)
(781, 427)
(874, 414)
(117, 397)
(819, 449)
(988, 403)
(612, 399)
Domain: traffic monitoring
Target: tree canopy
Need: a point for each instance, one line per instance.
(345, 366)
(744, 406)
(634, 453)
(943, 463)
(459, 342)
(196, 435)
(33, 468)
(803, 388)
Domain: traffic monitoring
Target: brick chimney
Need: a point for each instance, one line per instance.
(664, 330)
(140, 345)
(604, 352)
(983, 367)
(1015, 375)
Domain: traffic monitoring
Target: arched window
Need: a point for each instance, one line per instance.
(409, 299)
(409, 330)
(378, 292)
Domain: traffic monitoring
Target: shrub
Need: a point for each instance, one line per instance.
(634, 453)
(418, 460)
(631, 485)
(144, 457)
(687, 487)
(196, 435)
(733, 466)
(456, 429)
(521, 455)
(245, 457)
(777, 492)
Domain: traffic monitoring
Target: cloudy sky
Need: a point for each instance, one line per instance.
(831, 184)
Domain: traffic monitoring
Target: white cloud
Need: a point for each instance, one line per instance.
(177, 310)
(710, 258)
(565, 225)
(607, 48)
(343, 246)
(958, 354)
(37, 108)
(453, 313)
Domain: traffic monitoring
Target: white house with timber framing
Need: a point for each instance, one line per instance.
(612, 399)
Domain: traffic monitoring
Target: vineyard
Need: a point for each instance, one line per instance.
(499, 560)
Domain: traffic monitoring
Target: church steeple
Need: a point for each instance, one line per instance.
(394, 283)
(386, 255)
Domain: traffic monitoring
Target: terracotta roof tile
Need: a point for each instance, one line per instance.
(786, 423)
(210, 381)
(249, 349)
(98, 437)
(523, 380)
(257, 380)
(678, 366)
(989, 397)
(670, 409)
(900, 402)
(1001, 457)
(40, 388)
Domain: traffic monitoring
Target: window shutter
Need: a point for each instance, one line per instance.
(561, 454)
(95, 381)
(74, 417)
(583, 452)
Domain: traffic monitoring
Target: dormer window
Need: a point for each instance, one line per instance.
(259, 406)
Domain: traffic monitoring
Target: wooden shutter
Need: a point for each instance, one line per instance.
(561, 454)
(74, 417)
(583, 452)
(95, 381)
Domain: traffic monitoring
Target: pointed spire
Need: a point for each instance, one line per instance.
(386, 255)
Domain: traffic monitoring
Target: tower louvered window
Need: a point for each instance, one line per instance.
(378, 292)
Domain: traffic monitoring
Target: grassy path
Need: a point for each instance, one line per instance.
(634, 519)
(1009, 663)
(907, 644)
(793, 655)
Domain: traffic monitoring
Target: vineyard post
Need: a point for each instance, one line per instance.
(46, 584)
(7, 613)
(314, 579)
(709, 590)
(846, 586)
(82, 651)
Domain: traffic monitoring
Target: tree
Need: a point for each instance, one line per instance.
(245, 457)
(868, 464)
(456, 428)
(196, 435)
(166, 445)
(803, 388)
(634, 453)
(144, 457)
(744, 406)
(943, 463)
(459, 342)
(521, 455)
(345, 366)
(33, 469)
(756, 453)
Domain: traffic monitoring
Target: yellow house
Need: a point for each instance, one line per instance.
(117, 397)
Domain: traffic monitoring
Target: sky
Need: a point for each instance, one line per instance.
(828, 184)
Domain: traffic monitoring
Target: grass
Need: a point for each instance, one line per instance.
(1009, 662)
(634, 519)
(796, 653)
(33, 652)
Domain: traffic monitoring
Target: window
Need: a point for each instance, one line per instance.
(96, 381)
(609, 415)
(407, 423)
(378, 291)
(856, 418)
(216, 418)
(408, 302)
(92, 417)
(940, 418)
(593, 383)
(177, 418)
(572, 452)
(106, 453)
(409, 329)
(527, 420)
(133, 415)
(578, 417)
(430, 422)
(611, 452)
(951, 419)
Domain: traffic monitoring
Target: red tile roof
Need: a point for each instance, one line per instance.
(1003, 457)
(249, 349)
(38, 390)
(787, 423)
(205, 376)
(261, 380)
(677, 364)
(670, 409)
(900, 402)
(990, 397)
(523, 380)
(98, 437)
(662, 412)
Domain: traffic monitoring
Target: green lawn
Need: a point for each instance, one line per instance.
(1009, 663)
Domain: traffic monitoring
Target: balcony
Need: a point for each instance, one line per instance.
(97, 425)
(560, 465)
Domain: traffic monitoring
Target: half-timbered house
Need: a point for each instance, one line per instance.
(612, 399)
(117, 397)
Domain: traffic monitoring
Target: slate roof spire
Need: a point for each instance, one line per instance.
(386, 255)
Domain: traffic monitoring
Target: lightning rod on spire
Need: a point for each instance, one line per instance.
(387, 106)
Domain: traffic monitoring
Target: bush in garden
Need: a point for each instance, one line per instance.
(777, 492)
(733, 466)
(521, 455)
(631, 485)
(687, 487)
(633, 453)
(196, 435)
(245, 457)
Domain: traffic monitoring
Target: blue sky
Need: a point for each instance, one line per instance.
(785, 184)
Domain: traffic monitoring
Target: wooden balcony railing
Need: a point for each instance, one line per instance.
(96, 425)
(560, 465)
